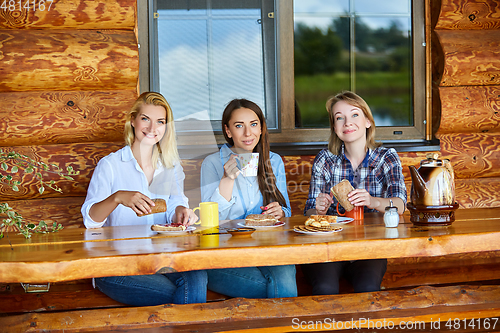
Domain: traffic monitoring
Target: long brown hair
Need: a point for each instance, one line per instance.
(350, 98)
(265, 174)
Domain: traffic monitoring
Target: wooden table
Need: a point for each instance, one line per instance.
(83, 253)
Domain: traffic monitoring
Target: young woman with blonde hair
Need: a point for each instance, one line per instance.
(375, 173)
(122, 186)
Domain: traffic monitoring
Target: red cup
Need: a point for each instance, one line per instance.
(357, 213)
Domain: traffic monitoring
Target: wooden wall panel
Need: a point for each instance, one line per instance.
(81, 156)
(470, 109)
(472, 155)
(41, 118)
(472, 57)
(472, 14)
(478, 192)
(63, 210)
(70, 14)
(68, 60)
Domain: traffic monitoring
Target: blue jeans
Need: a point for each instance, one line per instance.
(254, 282)
(156, 289)
(364, 275)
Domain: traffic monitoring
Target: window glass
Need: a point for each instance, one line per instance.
(210, 52)
(367, 50)
(382, 6)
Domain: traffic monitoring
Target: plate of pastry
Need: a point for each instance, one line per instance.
(261, 221)
(172, 229)
(311, 230)
(319, 220)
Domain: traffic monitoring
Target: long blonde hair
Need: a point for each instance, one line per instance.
(165, 150)
(335, 144)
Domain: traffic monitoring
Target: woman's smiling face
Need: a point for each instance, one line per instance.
(150, 124)
(244, 128)
(350, 122)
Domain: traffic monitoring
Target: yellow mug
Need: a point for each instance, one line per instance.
(209, 241)
(209, 214)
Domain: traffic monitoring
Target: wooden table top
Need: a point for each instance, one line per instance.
(83, 253)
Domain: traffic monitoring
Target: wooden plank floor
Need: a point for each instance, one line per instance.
(423, 304)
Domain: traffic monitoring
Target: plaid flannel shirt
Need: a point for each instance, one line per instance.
(380, 173)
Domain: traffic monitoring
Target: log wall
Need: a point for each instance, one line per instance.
(467, 49)
(68, 75)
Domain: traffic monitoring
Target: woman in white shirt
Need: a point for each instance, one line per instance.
(122, 186)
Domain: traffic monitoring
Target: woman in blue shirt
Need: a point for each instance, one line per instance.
(245, 131)
(122, 186)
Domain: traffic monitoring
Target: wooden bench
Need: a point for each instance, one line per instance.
(418, 308)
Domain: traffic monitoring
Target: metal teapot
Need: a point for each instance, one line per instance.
(433, 183)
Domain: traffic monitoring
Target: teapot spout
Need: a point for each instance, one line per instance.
(418, 186)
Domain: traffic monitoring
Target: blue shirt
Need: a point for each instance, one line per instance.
(120, 171)
(380, 173)
(246, 198)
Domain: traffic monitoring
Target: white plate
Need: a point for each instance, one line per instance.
(278, 224)
(343, 220)
(176, 232)
(317, 233)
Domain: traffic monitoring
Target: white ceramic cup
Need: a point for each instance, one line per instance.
(249, 164)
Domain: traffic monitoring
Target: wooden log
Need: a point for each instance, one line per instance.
(478, 192)
(255, 315)
(477, 14)
(41, 118)
(68, 60)
(470, 267)
(472, 57)
(82, 157)
(473, 155)
(70, 14)
(470, 109)
(62, 210)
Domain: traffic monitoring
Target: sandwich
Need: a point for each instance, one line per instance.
(159, 207)
(340, 192)
(260, 220)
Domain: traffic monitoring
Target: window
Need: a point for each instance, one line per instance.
(369, 47)
(203, 53)
(208, 52)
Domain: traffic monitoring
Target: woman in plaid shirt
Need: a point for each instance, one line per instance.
(375, 173)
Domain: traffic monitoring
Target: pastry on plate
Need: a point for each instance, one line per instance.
(168, 227)
(340, 192)
(159, 207)
(321, 220)
(310, 228)
(260, 220)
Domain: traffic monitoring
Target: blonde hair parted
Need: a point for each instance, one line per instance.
(335, 144)
(165, 151)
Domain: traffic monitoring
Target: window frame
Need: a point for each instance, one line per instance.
(418, 135)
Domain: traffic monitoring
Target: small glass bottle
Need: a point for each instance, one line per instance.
(391, 216)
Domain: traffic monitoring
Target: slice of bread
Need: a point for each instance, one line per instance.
(265, 220)
(159, 207)
(340, 192)
(168, 227)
